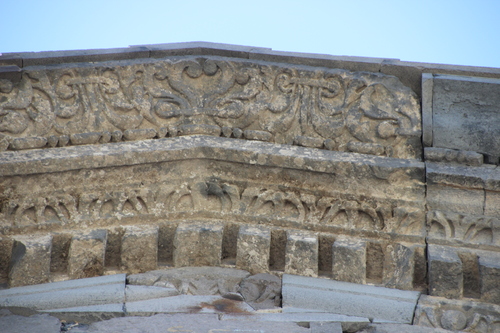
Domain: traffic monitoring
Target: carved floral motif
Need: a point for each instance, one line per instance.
(342, 211)
(361, 112)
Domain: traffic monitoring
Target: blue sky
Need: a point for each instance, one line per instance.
(438, 31)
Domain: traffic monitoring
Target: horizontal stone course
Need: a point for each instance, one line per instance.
(348, 298)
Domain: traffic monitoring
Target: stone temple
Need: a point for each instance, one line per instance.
(343, 193)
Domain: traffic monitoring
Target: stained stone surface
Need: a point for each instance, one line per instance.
(198, 244)
(86, 254)
(489, 270)
(261, 291)
(139, 248)
(190, 323)
(457, 315)
(30, 260)
(254, 244)
(349, 260)
(301, 253)
(445, 272)
(193, 280)
(462, 107)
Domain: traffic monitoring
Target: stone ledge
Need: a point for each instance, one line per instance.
(194, 147)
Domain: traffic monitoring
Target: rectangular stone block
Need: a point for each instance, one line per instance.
(82, 292)
(492, 203)
(297, 317)
(399, 265)
(301, 255)
(30, 260)
(460, 200)
(445, 272)
(139, 248)
(349, 260)
(198, 244)
(253, 248)
(462, 107)
(489, 270)
(349, 299)
(87, 253)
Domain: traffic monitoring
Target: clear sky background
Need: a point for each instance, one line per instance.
(455, 32)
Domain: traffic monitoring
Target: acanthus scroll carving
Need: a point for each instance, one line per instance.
(361, 112)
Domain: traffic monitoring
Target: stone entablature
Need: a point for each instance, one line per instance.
(275, 162)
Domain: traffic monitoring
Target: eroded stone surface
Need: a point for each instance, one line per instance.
(30, 260)
(193, 280)
(362, 112)
(139, 248)
(457, 315)
(86, 254)
(261, 291)
(198, 244)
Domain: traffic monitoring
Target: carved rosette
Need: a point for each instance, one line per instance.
(323, 108)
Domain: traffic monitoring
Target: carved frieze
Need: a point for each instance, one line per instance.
(212, 198)
(472, 229)
(339, 110)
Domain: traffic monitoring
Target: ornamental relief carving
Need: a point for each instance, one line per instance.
(337, 109)
(222, 199)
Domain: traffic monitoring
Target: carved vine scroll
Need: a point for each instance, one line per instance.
(316, 107)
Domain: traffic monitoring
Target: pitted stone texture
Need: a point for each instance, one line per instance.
(445, 272)
(198, 244)
(489, 270)
(253, 246)
(349, 298)
(399, 266)
(193, 280)
(39, 323)
(139, 248)
(349, 260)
(86, 254)
(301, 255)
(6, 246)
(30, 260)
(325, 327)
(457, 315)
(261, 291)
(82, 292)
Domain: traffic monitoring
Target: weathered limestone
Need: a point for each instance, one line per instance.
(461, 108)
(261, 291)
(457, 315)
(198, 244)
(193, 280)
(399, 266)
(489, 270)
(30, 260)
(349, 260)
(254, 244)
(301, 253)
(86, 254)
(349, 298)
(139, 248)
(445, 272)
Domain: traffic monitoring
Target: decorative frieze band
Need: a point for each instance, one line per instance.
(361, 112)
